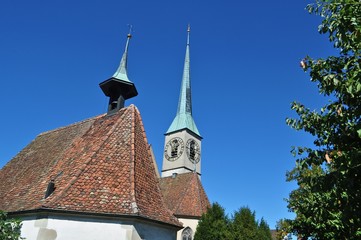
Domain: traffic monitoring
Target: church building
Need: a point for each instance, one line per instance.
(98, 179)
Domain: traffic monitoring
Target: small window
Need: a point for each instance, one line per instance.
(187, 234)
(50, 189)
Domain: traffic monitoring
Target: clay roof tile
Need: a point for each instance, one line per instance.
(101, 165)
(185, 195)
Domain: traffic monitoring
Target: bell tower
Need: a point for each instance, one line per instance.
(119, 88)
(182, 148)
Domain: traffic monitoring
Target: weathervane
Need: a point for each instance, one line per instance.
(130, 30)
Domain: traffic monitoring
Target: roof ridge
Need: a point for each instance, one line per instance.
(132, 160)
(150, 156)
(82, 167)
(149, 204)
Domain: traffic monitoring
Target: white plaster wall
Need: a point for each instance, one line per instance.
(191, 223)
(60, 228)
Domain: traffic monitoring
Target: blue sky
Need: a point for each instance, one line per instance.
(244, 71)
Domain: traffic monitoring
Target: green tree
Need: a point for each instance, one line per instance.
(244, 225)
(283, 229)
(9, 228)
(213, 225)
(327, 200)
(264, 232)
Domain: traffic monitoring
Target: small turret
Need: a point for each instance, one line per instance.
(119, 88)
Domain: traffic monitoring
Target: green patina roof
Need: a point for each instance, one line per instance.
(121, 72)
(184, 119)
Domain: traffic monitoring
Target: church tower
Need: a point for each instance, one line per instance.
(119, 88)
(182, 148)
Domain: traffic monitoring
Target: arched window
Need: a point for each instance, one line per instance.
(174, 146)
(192, 151)
(187, 234)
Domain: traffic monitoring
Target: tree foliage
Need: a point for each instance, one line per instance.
(327, 200)
(264, 232)
(244, 225)
(283, 230)
(9, 228)
(215, 225)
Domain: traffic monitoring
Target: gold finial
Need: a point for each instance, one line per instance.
(130, 30)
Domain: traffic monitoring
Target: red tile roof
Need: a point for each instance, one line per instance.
(101, 165)
(184, 195)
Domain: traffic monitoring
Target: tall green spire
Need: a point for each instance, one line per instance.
(184, 119)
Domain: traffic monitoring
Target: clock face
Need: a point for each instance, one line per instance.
(174, 149)
(193, 151)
